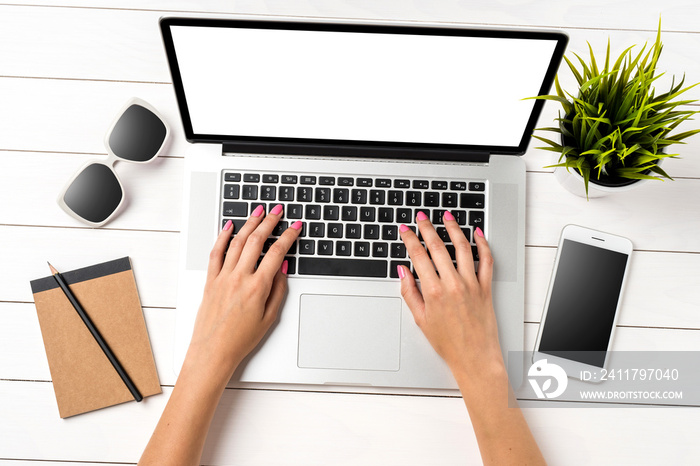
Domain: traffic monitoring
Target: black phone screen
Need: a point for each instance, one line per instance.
(583, 301)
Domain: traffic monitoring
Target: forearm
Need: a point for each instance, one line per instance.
(501, 431)
(182, 430)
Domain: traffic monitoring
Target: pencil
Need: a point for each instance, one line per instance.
(96, 335)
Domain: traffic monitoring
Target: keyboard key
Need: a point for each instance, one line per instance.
(393, 268)
(386, 215)
(293, 248)
(472, 201)
(342, 267)
(377, 197)
(254, 205)
(335, 230)
(251, 178)
(451, 251)
(268, 193)
(380, 249)
(348, 213)
(266, 245)
(442, 233)
(308, 180)
(343, 248)
(359, 196)
(305, 194)
(390, 232)
(307, 246)
(235, 209)
(362, 249)
(404, 216)
(317, 230)
(325, 248)
(449, 199)
(477, 186)
(313, 212)
(420, 184)
(437, 216)
(232, 191)
(398, 250)
(344, 181)
(438, 185)
(371, 232)
(341, 195)
(237, 224)
(331, 212)
(289, 179)
(467, 233)
(286, 193)
(295, 211)
(458, 186)
(279, 228)
(367, 214)
(353, 230)
(383, 183)
(323, 195)
(475, 254)
(413, 198)
(476, 219)
(291, 265)
(402, 183)
(395, 198)
(232, 177)
(364, 182)
(250, 191)
(326, 180)
(460, 216)
(270, 178)
(432, 199)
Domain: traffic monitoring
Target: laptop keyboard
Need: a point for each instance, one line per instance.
(351, 223)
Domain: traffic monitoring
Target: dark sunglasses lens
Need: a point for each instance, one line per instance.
(138, 135)
(94, 194)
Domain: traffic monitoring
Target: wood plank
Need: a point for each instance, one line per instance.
(33, 181)
(677, 15)
(25, 251)
(661, 293)
(80, 43)
(672, 303)
(322, 428)
(657, 216)
(22, 355)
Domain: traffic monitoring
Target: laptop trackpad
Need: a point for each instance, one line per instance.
(349, 332)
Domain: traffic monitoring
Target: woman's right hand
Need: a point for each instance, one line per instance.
(454, 308)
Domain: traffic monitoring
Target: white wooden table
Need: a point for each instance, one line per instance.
(66, 69)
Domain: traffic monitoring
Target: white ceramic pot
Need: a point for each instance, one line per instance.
(573, 182)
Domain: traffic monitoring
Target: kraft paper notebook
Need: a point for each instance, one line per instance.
(83, 378)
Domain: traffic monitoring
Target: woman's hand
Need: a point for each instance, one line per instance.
(454, 309)
(240, 303)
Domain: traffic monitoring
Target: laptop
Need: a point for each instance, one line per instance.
(355, 128)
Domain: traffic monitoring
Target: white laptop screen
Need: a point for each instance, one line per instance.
(357, 84)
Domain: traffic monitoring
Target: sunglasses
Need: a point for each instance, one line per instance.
(95, 194)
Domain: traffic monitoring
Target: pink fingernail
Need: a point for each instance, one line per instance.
(228, 225)
(403, 228)
(285, 265)
(401, 272)
(479, 232)
(297, 225)
(258, 211)
(447, 216)
(421, 216)
(277, 210)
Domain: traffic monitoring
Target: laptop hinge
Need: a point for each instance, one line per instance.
(362, 152)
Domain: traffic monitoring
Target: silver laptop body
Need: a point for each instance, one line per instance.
(390, 109)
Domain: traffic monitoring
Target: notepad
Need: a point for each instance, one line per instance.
(83, 378)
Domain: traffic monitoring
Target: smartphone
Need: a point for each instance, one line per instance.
(583, 300)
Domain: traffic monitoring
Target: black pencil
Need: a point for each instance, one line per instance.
(96, 334)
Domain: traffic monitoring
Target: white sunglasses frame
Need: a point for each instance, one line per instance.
(111, 159)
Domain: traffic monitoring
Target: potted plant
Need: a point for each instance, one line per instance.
(615, 132)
